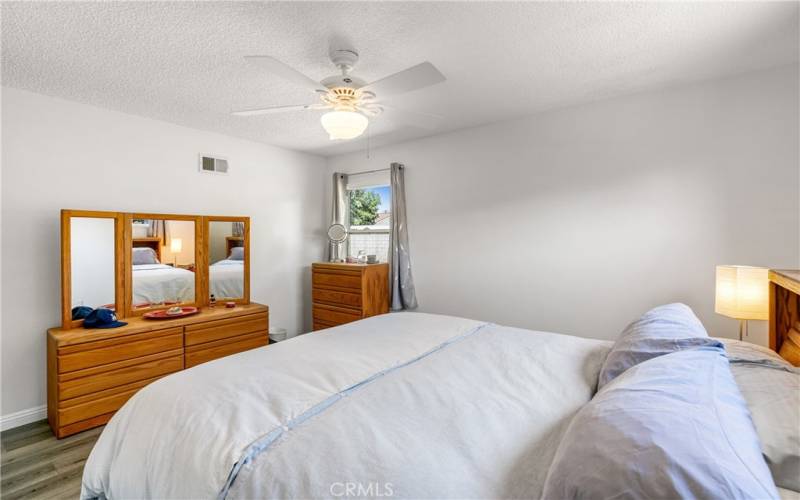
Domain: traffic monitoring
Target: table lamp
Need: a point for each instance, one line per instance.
(742, 293)
(175, 246)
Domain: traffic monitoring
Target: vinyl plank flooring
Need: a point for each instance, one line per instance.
(27, 433)
(36, 465)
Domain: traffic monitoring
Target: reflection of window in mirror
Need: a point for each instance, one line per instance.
(226, 259)
(92, 262)
(162, 260)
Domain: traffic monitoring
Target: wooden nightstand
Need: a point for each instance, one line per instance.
(342, 293)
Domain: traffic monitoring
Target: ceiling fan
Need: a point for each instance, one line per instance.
(351, 100)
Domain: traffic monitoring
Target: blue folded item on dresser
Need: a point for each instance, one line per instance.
(102, 318)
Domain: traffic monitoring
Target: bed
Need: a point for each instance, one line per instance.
(226, 279)
(160, 283)
(410, 405)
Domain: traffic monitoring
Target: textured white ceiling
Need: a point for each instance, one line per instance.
(183, 61)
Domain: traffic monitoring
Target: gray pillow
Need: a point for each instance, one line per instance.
(771, 388)
(675, 426)
(237, 253)
(661, 330)
(144, 255)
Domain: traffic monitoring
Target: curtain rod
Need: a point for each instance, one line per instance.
(370, 171)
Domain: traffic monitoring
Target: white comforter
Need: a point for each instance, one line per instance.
(226, 279)
(157, 283)
(411, 404)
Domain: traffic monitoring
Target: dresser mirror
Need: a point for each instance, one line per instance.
(134, 263)
(91, 263)
(163, 256)
(228, 258)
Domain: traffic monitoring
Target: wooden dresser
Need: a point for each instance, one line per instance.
(784, 314)
(342, 293)
(92, 373)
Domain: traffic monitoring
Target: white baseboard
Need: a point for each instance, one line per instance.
(23, 417)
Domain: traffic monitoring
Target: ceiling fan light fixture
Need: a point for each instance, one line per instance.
(344, 124)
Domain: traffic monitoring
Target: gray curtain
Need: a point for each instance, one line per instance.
(157, 228)
(340, 206)
(237, 229)
(400, 280)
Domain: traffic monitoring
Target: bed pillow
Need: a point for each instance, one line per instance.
(745, 352)
(144, 255)
(237, 253)
(771, 388)
(661, 330)
(675, 426)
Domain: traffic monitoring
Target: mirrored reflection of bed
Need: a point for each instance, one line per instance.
(162, 258)
(227, 259)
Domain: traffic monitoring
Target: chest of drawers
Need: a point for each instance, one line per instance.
(92, 373)
(342, 293)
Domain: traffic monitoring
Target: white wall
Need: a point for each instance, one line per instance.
(60, 154)
(577, 220)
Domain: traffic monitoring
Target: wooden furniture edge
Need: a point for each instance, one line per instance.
(138, 325)
(780, 277)
(784, 313)
(346, 265)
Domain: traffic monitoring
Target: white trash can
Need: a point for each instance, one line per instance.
(277, 334)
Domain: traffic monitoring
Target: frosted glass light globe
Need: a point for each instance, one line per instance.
(344, 124)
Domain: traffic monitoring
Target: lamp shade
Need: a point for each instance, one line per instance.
(175, 245)
(344, 124)
(742, 292)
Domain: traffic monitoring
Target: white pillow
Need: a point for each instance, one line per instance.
(771, 388)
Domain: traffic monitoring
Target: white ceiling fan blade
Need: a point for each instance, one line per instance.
(416, 77)
(288, 73)
(413, 118)
(277, 109)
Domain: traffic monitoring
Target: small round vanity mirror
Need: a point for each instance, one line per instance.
(337, 233)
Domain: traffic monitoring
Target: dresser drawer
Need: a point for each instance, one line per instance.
(335, 315)
(98, 403)
(80, 356)
(321, 325)
(348, 280)
(88, 381)
(225, 328)
(336, 297)
(212, 350)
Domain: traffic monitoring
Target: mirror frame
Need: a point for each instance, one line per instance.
(200, 278)
(66, 263)
(207, 220)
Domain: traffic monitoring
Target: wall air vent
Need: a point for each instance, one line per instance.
(213, 165)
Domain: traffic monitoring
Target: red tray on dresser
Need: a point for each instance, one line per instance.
(162, 314)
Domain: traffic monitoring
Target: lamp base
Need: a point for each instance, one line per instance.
(742, 329)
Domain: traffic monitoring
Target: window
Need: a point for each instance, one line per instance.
(370, 220)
